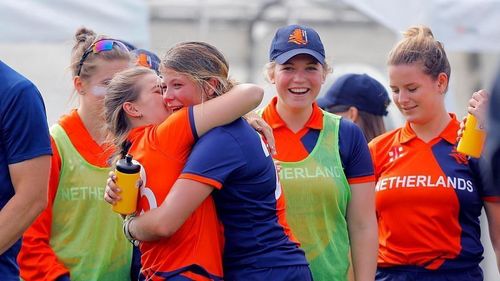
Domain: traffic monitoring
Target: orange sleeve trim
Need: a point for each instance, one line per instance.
(495, 199)
(364, 179)
(281, 213)
(37, 260)
(201, 179)
(55, 170)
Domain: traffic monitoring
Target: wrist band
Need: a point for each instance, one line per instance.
(126, 230)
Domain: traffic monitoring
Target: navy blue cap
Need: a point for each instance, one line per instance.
(358, 90)
(293, 40)
(147, 59)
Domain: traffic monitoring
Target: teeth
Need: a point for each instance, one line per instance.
(175, 108)
(299, 90)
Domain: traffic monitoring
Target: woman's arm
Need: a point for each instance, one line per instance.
(186, 195)
(363, 231)
(37, 260)
(240, 100)
(493, 214)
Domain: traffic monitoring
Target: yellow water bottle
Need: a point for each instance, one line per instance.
(473, 137)
(127, 174)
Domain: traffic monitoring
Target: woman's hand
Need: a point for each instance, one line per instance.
(263, 128)
(478, 105)
(112, 192)
(460, 131)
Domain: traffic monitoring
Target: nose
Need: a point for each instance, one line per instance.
(299, 76)
(167, 96)
(403, 97)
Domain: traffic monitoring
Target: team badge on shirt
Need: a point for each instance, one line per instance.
(459, 157)
(395, 153)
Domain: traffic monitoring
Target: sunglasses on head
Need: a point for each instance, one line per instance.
(98, 46)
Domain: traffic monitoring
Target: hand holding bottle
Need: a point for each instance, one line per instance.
(472, 130)
(127, 175)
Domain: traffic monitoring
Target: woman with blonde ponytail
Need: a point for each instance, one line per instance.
(428, 196)
(78, 237)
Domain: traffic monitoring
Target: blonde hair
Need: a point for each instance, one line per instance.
(200, 62)
(420, 46)
(122, 88)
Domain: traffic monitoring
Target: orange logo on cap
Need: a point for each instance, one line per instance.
(298, 36)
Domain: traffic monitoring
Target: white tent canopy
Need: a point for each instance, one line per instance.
(57, 20)
(465, 25)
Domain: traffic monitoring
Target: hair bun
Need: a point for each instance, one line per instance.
(418, 32)
(82, 34)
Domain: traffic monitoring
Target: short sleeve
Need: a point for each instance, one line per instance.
(354, 153)
(177, 133)
(487, 189)
(24, 128)
(214, 158)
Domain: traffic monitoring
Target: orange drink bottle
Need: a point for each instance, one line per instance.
(127, 174)
(473, 137)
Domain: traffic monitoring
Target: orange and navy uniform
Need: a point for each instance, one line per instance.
(428, 201)
(195, 249)
(320, 162)
(293, 147)
(235, 161)
(37, 260)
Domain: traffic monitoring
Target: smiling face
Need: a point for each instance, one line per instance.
(418, 95)
(298, 81)
(180, 90)
(150, 101)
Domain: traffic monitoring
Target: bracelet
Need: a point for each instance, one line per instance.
(126, 230)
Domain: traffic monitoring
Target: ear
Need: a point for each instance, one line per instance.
(442, 82)
(270, 75)
(131, 110)
(353, 114)
(210, 86)
(78, 84)
(323, 76)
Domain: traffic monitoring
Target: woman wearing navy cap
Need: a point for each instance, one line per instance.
(361, 99)
(229, 164)
(327, 174)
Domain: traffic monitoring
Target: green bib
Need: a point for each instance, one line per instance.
(86, 234)
(317, 195)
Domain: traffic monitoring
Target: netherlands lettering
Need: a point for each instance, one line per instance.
(424, 181)
(304, 172)
(83, 193)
